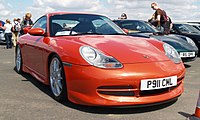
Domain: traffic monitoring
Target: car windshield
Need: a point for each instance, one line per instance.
(137, 27)
(82, 24)
(197, 27)
(184, 28)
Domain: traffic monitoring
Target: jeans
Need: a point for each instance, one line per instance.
(8, 37)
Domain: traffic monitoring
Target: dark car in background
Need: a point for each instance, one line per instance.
(187, 30)
(138, 28)
(195, 25)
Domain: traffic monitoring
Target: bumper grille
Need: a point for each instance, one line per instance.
(116, 90)
(128, 90)
(117, 93)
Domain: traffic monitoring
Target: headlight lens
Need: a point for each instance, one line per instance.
(190, 41)
(98, 59)
(171, 53)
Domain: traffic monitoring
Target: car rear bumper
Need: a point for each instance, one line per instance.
(93, 86)
(2, 39)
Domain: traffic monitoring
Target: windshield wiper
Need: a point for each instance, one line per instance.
(87, 34)
(117, 34)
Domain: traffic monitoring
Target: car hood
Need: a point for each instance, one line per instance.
(179, 42)
(145, 35)
(192, 36)
(125, 49)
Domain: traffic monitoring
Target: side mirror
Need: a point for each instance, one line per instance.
(36, 32)
(26, 29)
(125, 30)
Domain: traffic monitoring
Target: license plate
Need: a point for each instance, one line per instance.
(158, 83)
(187, 54)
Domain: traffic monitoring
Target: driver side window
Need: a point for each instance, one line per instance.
(41, 23)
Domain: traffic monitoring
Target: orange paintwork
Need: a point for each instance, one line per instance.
(36, 31)
(84, 82)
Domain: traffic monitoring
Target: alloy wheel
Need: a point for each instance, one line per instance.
(56, 77)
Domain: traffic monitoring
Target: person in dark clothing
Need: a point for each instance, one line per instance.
(123, 16)
(27, 22)
(160, 18)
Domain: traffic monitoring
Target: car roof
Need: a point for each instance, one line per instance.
(180, 23)
(196, 24)
(186, 23)
(60, 13)
(128, 20)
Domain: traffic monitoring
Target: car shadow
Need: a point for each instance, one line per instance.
(29, 78)
(187, 66)
(186, 115)
(118, 110)
(93, 109)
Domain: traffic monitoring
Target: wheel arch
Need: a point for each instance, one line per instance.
(47, 82)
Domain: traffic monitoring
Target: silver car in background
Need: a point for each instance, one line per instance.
(2, 38)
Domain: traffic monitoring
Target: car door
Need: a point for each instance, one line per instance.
(35, 48)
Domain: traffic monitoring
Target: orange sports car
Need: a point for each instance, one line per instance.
(88, 60)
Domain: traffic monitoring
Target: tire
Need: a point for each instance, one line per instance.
(57, 79)
(18, 60)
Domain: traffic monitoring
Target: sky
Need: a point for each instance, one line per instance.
(178, 10)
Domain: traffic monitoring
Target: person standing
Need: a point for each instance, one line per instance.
(8, 34)
(26, 22)
(123, 16)
(160, 18)
(15, 29)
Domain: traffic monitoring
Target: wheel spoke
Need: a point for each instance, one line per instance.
(60, 84)
(54, 65)
(58, 90)
(60, 78)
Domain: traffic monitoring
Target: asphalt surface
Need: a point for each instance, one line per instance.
(23, 97)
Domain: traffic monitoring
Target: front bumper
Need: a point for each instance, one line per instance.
(93, 86)
(189, 59)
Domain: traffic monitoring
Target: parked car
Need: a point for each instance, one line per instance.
(138, 28)
(2, 38)
(89, 60)
(187, 30)
(195, 25)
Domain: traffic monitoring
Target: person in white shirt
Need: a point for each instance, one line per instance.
(15, 29)
(8, 34)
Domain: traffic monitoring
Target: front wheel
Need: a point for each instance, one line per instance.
(18, 60)
(57, 79)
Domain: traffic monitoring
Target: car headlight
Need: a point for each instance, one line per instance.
(190, 41)
(171, 53)
(98, 59)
